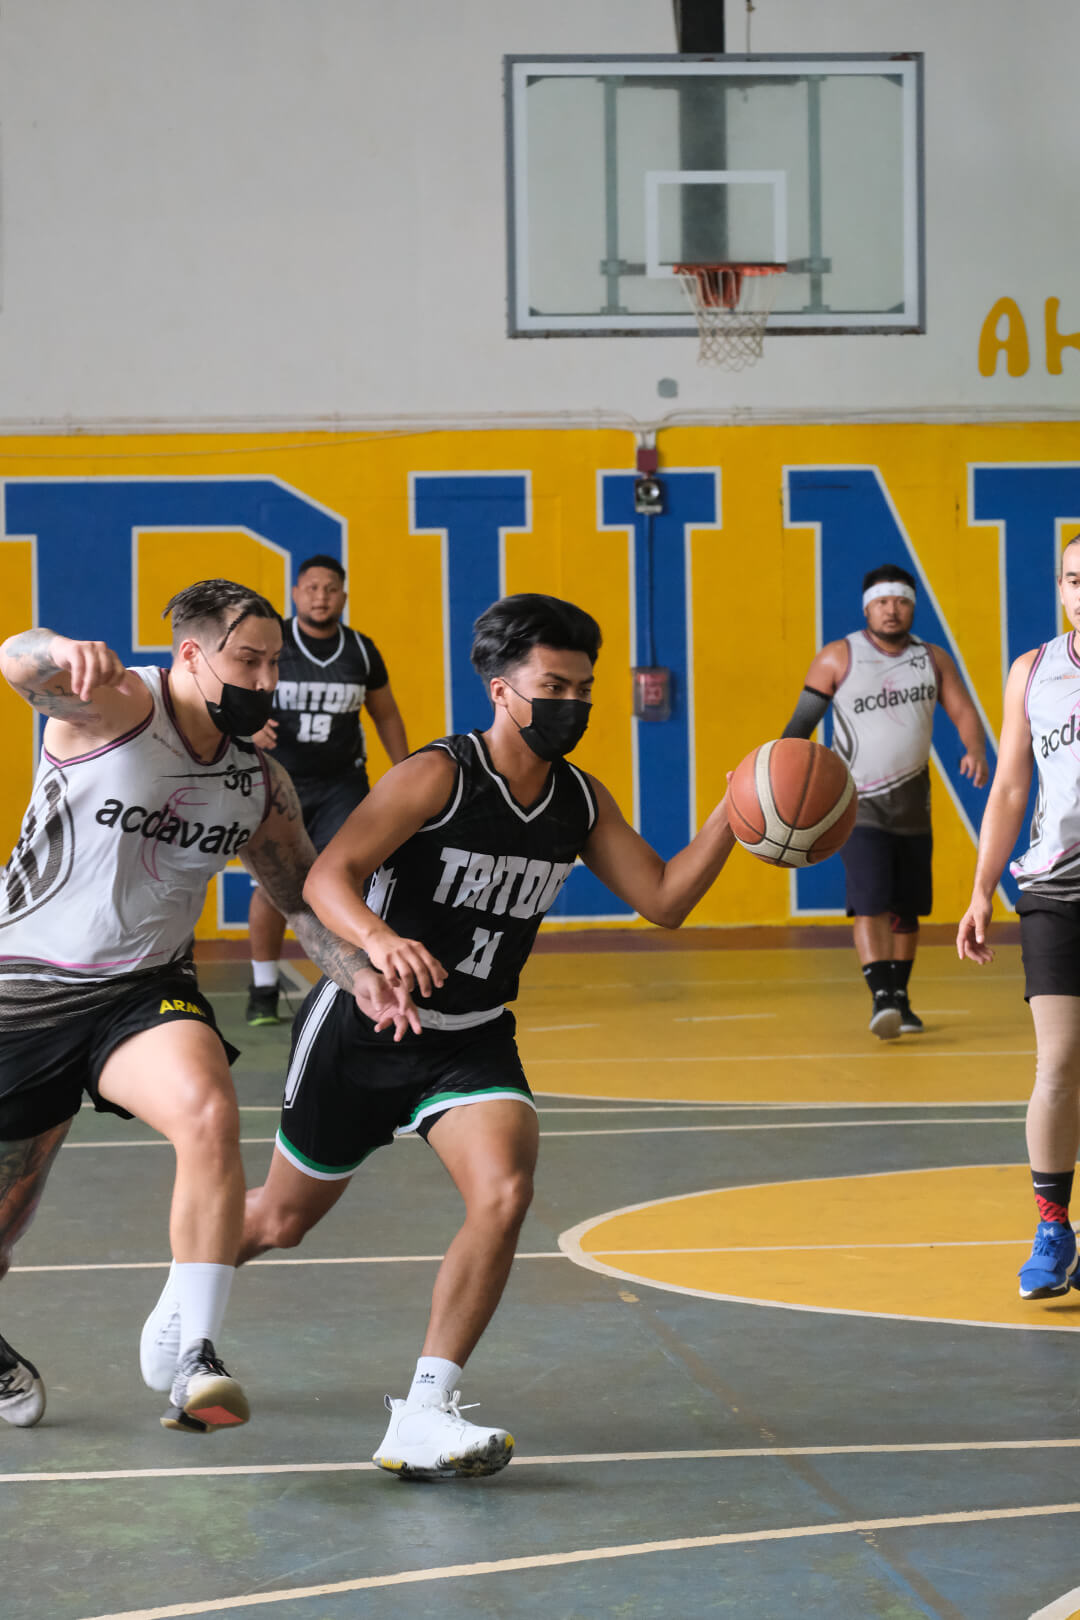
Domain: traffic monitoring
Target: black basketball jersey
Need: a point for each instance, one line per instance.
(474, 882)
(318, 701)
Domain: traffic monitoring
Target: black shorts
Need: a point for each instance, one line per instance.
(888, 872)
(327, 806)
(349, 1090)
(44, 1072)
(1049, 945)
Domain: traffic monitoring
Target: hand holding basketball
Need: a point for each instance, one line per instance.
(792, 802)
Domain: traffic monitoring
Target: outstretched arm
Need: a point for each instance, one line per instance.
(956, 701)
(822, 679)
(82, 684)
(1004, 815)
(280, 856)
(663, 891)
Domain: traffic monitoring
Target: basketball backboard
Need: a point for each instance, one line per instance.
(620, 168)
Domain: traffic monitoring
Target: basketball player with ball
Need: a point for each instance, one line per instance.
(884, 684)
(443, 876)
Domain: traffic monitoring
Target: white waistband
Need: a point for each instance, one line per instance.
(430, 1019)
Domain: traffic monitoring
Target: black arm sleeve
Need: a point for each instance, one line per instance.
(808, 712)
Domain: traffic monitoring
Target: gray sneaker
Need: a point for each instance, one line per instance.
(204, 1397)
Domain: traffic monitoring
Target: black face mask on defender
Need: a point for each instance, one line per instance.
(557, 725)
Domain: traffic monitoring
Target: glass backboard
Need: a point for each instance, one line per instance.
(620, 168)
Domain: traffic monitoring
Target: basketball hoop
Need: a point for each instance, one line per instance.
(732, 304)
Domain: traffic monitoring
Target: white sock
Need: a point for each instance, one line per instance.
(265, 974)
(202, 1292)
(433, 1380)
(168, 1293)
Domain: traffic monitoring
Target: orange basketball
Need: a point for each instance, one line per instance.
(792, 802)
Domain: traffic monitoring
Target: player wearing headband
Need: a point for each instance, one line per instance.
(884, 684)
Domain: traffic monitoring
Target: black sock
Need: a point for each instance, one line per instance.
(1053, 1190)
(878, 976)
(901, 973)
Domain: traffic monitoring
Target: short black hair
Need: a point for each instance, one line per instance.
(322, 559)
(888, 571)
(505, 633)
(1061, 559)
(212, 608)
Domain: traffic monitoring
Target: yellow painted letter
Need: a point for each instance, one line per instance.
(1055, 340)
(1015, 342)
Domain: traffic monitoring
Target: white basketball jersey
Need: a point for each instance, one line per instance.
(110, 871)
(1051, 863)
(883, 714)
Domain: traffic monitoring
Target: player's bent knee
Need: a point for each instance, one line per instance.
(279, 1228)
(504, 1201)
(211, 1125)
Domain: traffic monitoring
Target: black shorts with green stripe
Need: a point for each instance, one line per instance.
(349, 1090)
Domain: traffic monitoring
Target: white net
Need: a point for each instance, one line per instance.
(732, 303)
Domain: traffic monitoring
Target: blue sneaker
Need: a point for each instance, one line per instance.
(1052, 1266)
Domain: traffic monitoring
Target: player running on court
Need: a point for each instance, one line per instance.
(144, 790)
(443, 876)
(1042, 702)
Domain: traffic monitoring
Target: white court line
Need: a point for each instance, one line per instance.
(784, 1125)
(565, 1460)
(549, 1029)
(549, 1254)
(794, 1057)
(810, 983)
(1066, 1607)
(830, 1248)
(631, 1130)
(308, 1260)
(702, 1107)
(175, 1611)
(721, 1018)
(757, 1105)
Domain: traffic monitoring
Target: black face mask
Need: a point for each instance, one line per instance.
(240, 711)
(557, 725)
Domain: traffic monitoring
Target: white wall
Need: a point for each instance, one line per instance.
(295, 208)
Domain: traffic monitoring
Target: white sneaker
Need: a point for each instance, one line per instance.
(22, 1394)
(436, 1442)
(159, 1343)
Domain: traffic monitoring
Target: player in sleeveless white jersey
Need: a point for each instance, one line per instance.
(884, 684)
(443, 875)
(1042, 724)
(144, 790)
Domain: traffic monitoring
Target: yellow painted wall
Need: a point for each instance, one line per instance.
(753, 585)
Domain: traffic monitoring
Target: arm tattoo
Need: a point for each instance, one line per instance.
(283, 797)
(281, 866)
(36, 678)
(337, 959)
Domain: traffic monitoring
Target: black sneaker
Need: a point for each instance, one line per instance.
(22, 1394)
(885, 1019)
(204, 1397)
(910, 1022)
(262, 1007)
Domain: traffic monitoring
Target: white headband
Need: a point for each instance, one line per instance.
(888, 587)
